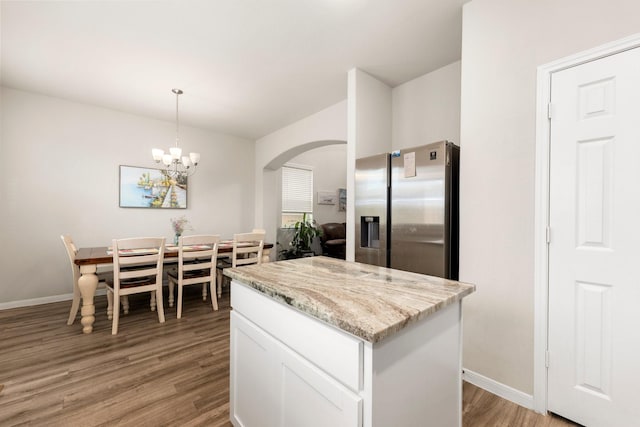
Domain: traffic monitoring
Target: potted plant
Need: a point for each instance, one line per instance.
(304, 233)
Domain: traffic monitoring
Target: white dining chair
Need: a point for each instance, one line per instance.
(137, 268)
(247, 250)
(196, 265)
(72, 250)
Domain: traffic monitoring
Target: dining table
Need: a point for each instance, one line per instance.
(88, 259)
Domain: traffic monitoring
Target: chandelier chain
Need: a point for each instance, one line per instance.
(177, 92)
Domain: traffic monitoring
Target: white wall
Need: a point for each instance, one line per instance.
(427, 109)
(369, 117)
(328, 126)
(369, 133)
(60, 175)
(503, 43)
(329, 165)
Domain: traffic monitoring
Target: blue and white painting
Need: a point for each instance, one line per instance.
(151, 188)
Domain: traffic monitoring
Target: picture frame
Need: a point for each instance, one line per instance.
(342, 199)
(151, 188)
(326, 198)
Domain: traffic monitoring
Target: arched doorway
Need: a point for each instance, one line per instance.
(324, 161)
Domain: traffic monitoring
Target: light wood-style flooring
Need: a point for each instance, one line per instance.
(175, 374)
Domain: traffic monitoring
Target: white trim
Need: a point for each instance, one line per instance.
(35, 301)
(42, 300)
(504, 391)
(541, 251)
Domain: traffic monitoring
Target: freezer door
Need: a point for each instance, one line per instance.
(371, 209)
(419, 225)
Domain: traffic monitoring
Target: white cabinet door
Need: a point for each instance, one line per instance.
(311, 398)
(271, 385)
(252, 381)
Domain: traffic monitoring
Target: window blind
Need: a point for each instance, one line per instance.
(297, 189)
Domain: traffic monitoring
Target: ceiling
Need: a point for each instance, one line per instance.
(247, 67)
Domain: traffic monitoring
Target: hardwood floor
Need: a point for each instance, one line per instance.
(481, 408)
(175, 374)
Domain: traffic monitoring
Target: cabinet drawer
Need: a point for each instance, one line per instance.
(332, 350)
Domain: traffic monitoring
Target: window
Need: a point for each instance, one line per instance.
(297, 194)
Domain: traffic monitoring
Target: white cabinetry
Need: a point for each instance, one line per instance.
(274, 386)
(289, 369)
(253, 397)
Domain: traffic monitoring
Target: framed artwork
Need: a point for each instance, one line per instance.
(326, 198)
(342, 199)
(151, 188)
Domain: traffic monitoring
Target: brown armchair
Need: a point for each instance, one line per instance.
(333, 239)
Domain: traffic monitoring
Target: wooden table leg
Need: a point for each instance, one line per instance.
(88, 283)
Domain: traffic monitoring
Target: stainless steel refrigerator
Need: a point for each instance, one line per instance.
(407, 212)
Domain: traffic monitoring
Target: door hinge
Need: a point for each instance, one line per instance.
(546, 358)
(550, 111)
(548, 236)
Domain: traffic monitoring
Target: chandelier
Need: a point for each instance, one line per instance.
(176, 165)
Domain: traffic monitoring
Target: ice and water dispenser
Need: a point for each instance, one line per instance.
(370, 232)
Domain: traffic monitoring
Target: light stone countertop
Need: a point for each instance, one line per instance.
(367, 301)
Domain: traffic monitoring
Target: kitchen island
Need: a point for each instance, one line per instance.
(323, 342)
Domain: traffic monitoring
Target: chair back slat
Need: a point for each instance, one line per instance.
(196, 266)
(142, 272)
(128, 259)
(190, 254)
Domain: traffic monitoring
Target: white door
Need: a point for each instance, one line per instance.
(594, 251)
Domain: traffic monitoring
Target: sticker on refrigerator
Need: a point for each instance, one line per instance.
(410, 164)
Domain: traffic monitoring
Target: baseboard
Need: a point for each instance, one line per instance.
(43, 300)
(504, 391)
